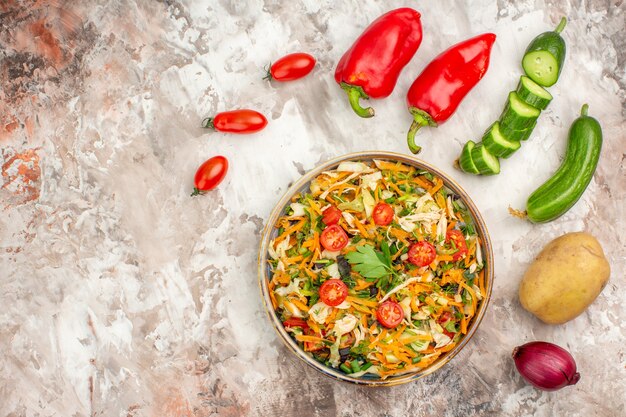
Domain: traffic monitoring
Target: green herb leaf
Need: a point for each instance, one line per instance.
(369, 262)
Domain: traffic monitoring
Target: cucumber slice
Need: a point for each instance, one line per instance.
(486, 163)
(497, 144)
(543, 59)
(465, 160)
(517, 114)
(533, 94)
(517, 135)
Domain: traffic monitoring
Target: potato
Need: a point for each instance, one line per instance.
(565, 278)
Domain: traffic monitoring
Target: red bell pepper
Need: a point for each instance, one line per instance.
(442, 85)
(370, 68)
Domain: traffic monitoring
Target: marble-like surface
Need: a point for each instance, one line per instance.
(123, 296)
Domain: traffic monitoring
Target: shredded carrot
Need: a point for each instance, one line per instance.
(306, 338)
(441, 202)
(362, 284)
(300, 305)
(437, 186)
(389, 166)
(472, 294)
(481, 282)
(444, 258)
(359, 226)
(433, 231)
(290, 230)
(463, 324)
(362, 301)
(423, 182)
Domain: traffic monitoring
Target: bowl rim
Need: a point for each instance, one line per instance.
(304, 181)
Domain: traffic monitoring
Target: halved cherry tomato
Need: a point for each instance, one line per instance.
(382, 214)
(389, 314)
(457, 237)
(333, 292)
(236, 121)
(291, 67)
(210, 174)
(334, 238)
(422, 253)
(331, 215)
(295, 322)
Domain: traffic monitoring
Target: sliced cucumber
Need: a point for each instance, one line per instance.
(517, 114)
(497, 144)
(486, 163)
(533, 94)
(465, 160)
(517, 135)
(543, 59)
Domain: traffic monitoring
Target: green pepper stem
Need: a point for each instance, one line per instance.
(195, 192)
(208, 123)
(415, 126)
(354, 94)
(420, 118)
(561, 25)
(583, 111)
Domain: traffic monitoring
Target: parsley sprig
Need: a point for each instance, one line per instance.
(370, 263)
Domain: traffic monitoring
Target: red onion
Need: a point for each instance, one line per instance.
(545, 365)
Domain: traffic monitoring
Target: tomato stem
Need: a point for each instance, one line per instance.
(354, 94)
(268, 73)
(208, 123)
(196, 192)
(420, 118)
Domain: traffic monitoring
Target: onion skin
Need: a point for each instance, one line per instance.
(546, 366)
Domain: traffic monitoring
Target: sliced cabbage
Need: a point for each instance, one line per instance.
(292, 288)
(281, 248)
(327, 254)
(319, 312)
(441, 339)
(354, 205)
(298, 209)
(342, 326)
(385, 194)
(442, 227)
(368, 203)
(349, 166)
(371, 180)
(333, 270)
(406, 306)
(349, 218)
(345, 325)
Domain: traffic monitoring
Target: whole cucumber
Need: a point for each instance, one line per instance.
(567, 185)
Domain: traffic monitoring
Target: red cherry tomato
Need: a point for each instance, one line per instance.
(210, 174)
(382, 214)
(295, 322)
(457, 237)
(443, 319)
(331, 215)
(291, 67)
(389, 314)
(237, 121)
(422, 253)
(334, 238)
(333, 292)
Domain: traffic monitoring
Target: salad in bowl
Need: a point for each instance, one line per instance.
(375, 268)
